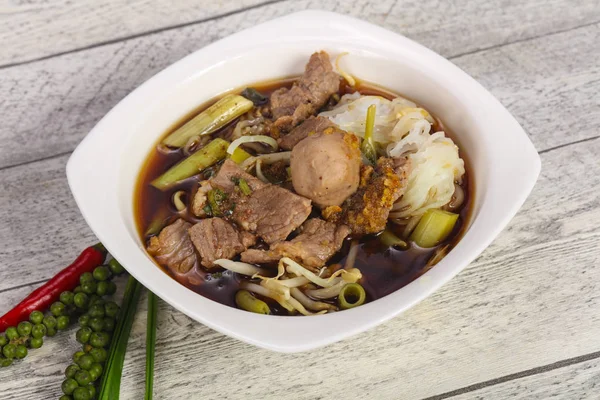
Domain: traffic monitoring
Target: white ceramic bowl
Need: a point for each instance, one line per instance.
(503, 161)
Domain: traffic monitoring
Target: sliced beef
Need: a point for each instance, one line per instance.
(367, 210)
(271, 212)
(310, 126)
(292, 106)
(215, 238)
(173, 248)
(224, 180)
(318, 241)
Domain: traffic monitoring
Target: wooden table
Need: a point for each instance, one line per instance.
(523, 321)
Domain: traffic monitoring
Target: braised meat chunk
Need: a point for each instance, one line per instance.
(271, 212)
(173, 248)
(310, 126)
(225, 180)
(292, 106)
(367, 211)
(215, 238)
(317, 242)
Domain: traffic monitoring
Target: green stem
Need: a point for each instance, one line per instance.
(150, 344)
(111, 380)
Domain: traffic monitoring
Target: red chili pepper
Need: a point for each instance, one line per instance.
(67, 279)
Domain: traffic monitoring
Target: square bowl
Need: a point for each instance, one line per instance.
(503, 162)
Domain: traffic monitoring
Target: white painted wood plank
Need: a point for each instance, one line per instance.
(578, 381)
(531, 299)
(49, 106)
(39, 28)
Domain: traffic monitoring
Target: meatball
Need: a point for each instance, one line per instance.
(326, 167)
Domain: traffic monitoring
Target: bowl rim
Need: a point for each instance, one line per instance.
(282, 333)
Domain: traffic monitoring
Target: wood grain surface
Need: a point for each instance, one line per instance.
(521, 322)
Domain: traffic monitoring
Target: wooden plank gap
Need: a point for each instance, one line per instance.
(142, 34)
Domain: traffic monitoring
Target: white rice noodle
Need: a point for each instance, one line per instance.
(391, 117)
(436, 165)
(310, 303)
(240, 267)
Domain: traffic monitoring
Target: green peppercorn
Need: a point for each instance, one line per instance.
(72, 370)
(57, 308)
(99, 339)
(77, 356)
(65, 397)
(38, 331)
(83, 377)
(111, 309)
(3, 341)
(101, 273)
(67, 297)
(99, 354)
(85, 361)
(97, 324)
(9, 351)
(111, 288)
(81, 393)
(36, 317)
(102, 288)
(51, 332)
(24, 328)
(89, 287)
(50, 321)
(83, 335)
(81, 300)
(11, 333)
(88, 347)
(69, 385)
(115, 267)
(5, 362)
(92, 390)
(84, 320)
(36, 343)
(109, 324)
(86, 277)
(95, 299)
(77, 289)
(21, 351)
(62, 322)
(96, 310)
(95, 371)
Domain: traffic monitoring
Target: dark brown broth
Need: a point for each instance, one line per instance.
(384, 270)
